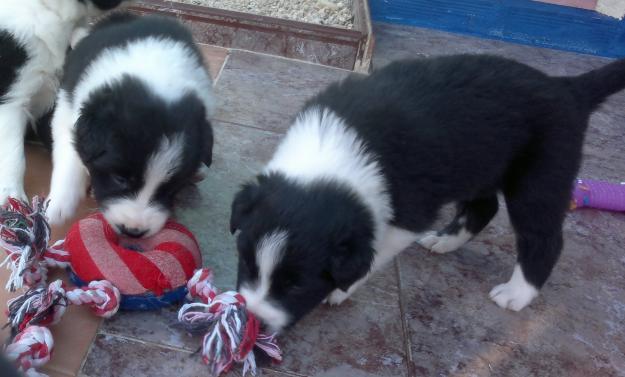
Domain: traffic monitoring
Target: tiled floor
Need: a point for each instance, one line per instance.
(424, 315)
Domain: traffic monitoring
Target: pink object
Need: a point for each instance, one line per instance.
(599, 195)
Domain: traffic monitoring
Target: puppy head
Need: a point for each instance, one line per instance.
(141, 151)
(297, 244)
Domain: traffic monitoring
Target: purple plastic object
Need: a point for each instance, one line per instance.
(598, 194)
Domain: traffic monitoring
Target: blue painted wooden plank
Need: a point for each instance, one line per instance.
(520, 21)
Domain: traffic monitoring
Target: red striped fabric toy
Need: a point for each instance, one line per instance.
(150, 273)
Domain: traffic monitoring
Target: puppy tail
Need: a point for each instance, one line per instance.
(593, 87)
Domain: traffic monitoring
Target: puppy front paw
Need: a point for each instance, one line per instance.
(11, 191)
(337, 296)
(61, 208)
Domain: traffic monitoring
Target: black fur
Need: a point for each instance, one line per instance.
(118, 29)
(116, 149)
(13, 56)
(462, 128)
(330, 251)
(104, 4)
(122, 125)
(449, 129)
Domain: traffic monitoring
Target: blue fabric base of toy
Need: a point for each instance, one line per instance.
(144, 302)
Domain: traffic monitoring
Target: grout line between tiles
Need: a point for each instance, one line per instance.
(221, 69)
(84, 359)
(248, 126)
(404, 324)
(286, 372)
(146, 342)
(292, 60)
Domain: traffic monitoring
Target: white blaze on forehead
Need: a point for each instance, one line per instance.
(269, 252)
(138, 211)
(161, 166)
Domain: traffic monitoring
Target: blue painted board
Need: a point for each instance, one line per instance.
(521, 21)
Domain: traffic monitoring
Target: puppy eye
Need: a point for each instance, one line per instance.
(119, 180)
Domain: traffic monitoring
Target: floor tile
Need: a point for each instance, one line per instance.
(215, 57)
(239, 154)
(361, 337)
(266, 92)
(113, 356)
(573, 329)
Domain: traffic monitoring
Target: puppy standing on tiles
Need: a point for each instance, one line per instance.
(368, 163)
(34, 38)
(131, 117)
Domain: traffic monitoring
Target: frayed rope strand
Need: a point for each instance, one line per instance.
(25, 234)
(45, 306)
(231, 331)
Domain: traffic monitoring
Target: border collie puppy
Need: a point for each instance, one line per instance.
(34, 38)
(132, 115)
(368, 163)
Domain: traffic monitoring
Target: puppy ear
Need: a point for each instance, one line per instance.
(351, 260)
(243, 203)
(90, 138)
(190, 112)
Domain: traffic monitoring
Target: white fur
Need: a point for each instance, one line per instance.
(146, 60)
(138, 212)
(394, 241)
(12, 159)
(170, 70)
(446, 242)
(319, 146)
(269, 252)
(44, 28)
(516, 293)
(69, 176)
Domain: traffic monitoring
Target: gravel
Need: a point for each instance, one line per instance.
(323, 12)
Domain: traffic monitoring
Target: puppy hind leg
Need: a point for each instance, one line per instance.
(471, 217)
(537, 213)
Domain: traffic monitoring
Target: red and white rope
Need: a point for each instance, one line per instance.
(31, 349)
(231, 331)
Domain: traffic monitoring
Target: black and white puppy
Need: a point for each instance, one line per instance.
(34, 37)
(368, 163)
(132, 115)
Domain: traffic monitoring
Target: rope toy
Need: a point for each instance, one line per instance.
(31, 349)
(150, 273)
(598, 194)
(29, 314)
(25, 234)
(231, 331)
(45, 306)
(143, 273)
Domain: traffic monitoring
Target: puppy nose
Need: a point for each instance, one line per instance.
(132, 232)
